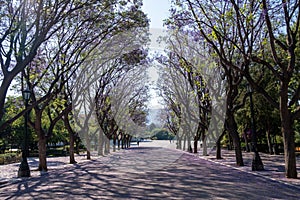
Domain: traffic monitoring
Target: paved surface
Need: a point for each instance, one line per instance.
(144, 172)
(273, 164)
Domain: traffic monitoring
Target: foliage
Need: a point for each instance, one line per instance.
(161, 134)
(8, 158)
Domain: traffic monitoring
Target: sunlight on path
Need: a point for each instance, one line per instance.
(159, 143)
(148, 156)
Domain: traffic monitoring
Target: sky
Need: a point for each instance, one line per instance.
(157, 11)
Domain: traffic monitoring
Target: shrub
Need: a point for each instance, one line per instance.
(8, 158)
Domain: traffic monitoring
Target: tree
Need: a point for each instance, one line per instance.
(111, 90)
(282, 66)
(13, 134)
(180, 98)
(248, 28)
(190, 58)
(25, 26)
(70, 44)
(200, 18)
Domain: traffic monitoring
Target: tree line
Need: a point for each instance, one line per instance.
(73, 56)
(85, 65)
(217, 48)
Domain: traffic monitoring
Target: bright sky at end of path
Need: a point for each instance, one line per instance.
(157, 11)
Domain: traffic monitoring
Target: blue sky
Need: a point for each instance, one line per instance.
(157, 11)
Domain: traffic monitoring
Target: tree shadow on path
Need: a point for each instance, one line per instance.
(186, 177)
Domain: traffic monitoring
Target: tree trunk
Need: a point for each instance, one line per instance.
(71, 150)
(289, 151)
(179, 140)
(230, 143)
(287, 133)
(195, 144)
(72, 138)
(88, 155)
(269, 140)
(100, 143)
(42, 152)
(180, 143)
(114, 143)
(184, 142)
(126, 141)
(88, 144)
(204, 146)
(77, 141)
(6, 81)
(107, 146)
(275, 147)
(189, 143)
(232, 128)
(246, 141)
(129, 141)
(42, 144)
(218, 144)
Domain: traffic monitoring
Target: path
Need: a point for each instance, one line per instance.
(147, 172)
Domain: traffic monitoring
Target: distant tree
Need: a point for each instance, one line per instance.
(151, 127)
(161, 134)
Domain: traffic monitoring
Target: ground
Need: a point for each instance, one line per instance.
(154, 170)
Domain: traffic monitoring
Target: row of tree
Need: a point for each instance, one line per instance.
(218, 44)
(75, 57)
(85, 65)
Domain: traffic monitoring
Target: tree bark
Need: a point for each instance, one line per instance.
(77, 141)
(287, 133)
(195, 144)
(129, 140)
(72, 139)
(179, 142)
(3, 91)
(107, 146)
(100, 143)
(232, 128)
(88, 144)
(289, 150)
(42, 152)
(88, 155)
(119, 144)
(269, 139)
(42, 144)
(184, 142)
(246, 141)
(114, 143)
(71, 150)
(218, 144)
(204, 147)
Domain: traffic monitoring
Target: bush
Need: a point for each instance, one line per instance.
(8, 158)
(162, 135)
(57, 152)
